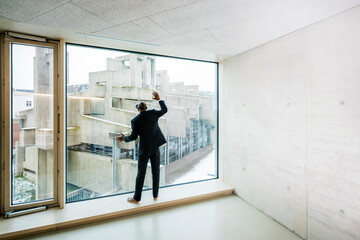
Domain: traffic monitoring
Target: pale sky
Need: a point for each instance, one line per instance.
(189, 72)
(83, 60)
(23, 66)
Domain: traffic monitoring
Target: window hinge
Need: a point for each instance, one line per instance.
(3, 124)
(3, 82)
(23, 212)
(3, 166)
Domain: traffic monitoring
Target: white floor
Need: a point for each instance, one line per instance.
(221, 218)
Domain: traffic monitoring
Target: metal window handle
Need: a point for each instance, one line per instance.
(58, 123)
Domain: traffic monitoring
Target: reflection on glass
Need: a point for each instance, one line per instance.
(102, 90)
(32, 123)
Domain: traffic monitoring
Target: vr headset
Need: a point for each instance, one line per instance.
(141, 106)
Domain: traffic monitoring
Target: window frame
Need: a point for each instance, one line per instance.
(60, 119)
(6, 122)
(69, 43)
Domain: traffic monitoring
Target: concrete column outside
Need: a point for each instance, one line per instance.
(179, 139)
(113, 136)
(114, 167)
(134, 154)
(190, 138)
(44, 186)
(168, 150)
(199, 136)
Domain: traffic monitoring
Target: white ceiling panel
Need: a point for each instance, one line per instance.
(230, 48)
(222, 50)
(214, 27)
(254, 32)
(70, 16)
(24, 10)
(203, 14)
(188, 39)
(151, 27)
(214, 13)
(121, 11)
(243, 30)
(127, 31)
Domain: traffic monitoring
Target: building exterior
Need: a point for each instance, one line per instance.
(97, 164)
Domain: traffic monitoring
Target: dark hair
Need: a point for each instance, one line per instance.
(141, 106)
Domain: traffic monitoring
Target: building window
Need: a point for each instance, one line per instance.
(126, 63)
(190, 126)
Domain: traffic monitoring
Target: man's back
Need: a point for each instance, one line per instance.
(146, 126)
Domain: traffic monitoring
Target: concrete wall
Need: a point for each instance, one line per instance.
(27, 137)
(44, 183)
(95, 172)
(43, 84)
(127, 171)
(31, 162)
(96, 131)
(162, 81)
(86, 169)
(191, 104)
(38, 167)
(290, 128)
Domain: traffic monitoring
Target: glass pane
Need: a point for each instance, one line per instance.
(102, 90)
(32, 123)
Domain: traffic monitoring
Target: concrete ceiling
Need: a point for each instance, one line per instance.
(209, 29)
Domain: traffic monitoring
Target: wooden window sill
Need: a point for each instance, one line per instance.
(106, 208)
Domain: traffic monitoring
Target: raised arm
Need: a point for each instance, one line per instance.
(163, 108)
(162, 104)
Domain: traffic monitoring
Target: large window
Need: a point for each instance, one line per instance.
(29, 123)
(103, 86)
(32, 145)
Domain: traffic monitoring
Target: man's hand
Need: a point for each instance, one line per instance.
(156, 96)
(121, 138)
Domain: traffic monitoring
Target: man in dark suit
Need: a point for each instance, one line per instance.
(145, 125)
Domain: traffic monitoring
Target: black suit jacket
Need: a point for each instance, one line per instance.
(146, 126)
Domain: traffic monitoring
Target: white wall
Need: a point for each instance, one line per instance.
(290, 137)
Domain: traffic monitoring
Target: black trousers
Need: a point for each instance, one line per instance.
(155, 168)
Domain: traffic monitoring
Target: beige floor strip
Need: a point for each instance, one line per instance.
(106, 208)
